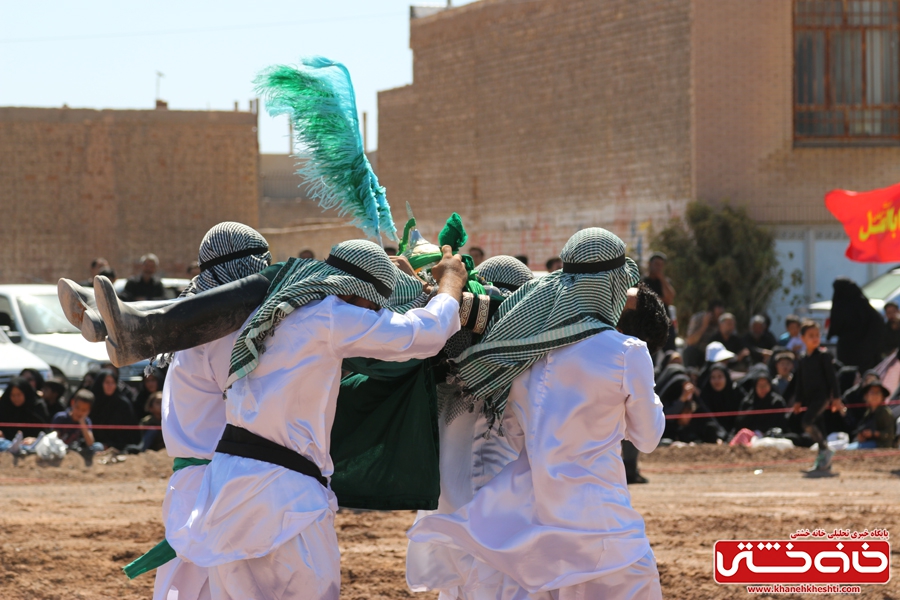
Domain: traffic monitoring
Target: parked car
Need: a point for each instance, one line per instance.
(14, 358)
(881, 290)
(34, 320)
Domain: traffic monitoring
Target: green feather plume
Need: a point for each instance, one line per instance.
(319, 99)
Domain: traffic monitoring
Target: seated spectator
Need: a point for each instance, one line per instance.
(112, 408)
(784, 370)
(87, 382)
(151, 439)
(477, 255)
(152, 383)
(686, 428)
(702, 328)
(554, 264)
(671, 357)
(759, 340)
(128, 392)
(54, 394)
(34, 378)
(728, 337)
(20, 404)
(145, 285)
(718, 394)
(878, 428)
(80, 439)
(892, 331)
(790, 339)
(854, 399)
(306, 253)
(193, 270)
(522, 259)
(762, 397)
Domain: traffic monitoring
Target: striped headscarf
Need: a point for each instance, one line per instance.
(229, 251)
(506, 273)
(582, 299)
(356, 267)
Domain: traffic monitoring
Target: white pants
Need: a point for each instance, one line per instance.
(181, 580)
(640, 581)
(308, 567)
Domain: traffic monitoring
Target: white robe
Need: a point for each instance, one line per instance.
(558, 521)
(193, 418)
(247, 509)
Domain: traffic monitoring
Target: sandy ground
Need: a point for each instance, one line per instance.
(66, 531)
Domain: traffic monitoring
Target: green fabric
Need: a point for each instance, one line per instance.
(161, 553)
(183, 463)
(384, 442)
(453, 234)
(405, 241)
(271, 271)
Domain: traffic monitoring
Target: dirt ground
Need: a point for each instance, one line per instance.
(66, 531)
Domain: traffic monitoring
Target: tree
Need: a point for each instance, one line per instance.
(719, 253)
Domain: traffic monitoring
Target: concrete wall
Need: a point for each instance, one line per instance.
(535, 119)
(76, 184)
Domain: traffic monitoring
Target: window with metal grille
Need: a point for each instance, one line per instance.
(846, 70)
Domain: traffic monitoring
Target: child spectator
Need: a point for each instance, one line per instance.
(80, 440)
(814, 387)
(152, 383)
(151, 439)
(784, 371)
(878, 427)
(761, 397)
(790, 339)
(54, 394)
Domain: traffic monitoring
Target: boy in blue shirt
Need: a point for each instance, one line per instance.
(80, 439)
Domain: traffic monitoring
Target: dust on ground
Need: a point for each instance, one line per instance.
(66, 531)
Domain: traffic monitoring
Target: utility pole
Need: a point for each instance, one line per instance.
(290, 135)
(158, 77)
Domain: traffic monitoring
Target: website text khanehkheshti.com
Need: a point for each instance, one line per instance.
(804, 588)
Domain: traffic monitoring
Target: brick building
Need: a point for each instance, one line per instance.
(533, 119)
(76, 184)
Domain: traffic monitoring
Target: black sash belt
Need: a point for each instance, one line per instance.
(237, 441)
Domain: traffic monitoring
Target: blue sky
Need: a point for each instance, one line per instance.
(104, 54)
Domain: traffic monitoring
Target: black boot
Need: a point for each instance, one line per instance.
(81, 310)
(134, 335)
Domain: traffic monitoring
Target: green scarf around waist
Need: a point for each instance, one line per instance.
(161, 553)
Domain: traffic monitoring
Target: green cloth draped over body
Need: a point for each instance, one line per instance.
(384, 442)
(161, 553)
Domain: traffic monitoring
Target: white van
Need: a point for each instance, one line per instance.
(14, 358)
(33, 319)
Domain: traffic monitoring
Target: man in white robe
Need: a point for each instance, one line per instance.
(557, 522)
(264, 530)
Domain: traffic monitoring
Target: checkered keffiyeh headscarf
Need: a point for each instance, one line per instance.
(229, 251)
(357, 267)
(582, 299)
(506, 273)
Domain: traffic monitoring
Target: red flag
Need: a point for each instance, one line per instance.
(871, 220)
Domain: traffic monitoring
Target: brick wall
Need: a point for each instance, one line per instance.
(76, 184)
(743, 86)
(536, 119)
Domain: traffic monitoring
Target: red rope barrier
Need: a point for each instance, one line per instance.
(762, 411)
(68, 426)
